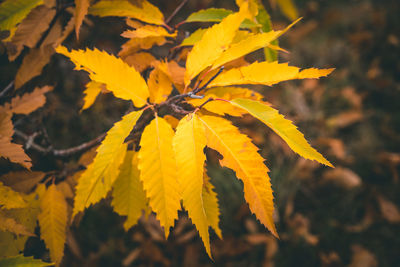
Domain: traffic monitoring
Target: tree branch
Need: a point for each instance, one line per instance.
(6, 89)
(168, 20)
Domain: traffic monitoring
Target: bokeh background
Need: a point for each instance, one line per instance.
(347, 216)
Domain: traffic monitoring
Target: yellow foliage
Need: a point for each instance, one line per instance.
(210, 203)
(158, 172)
(160, 84)
(53, 222)
(93, 89)
(124, 81)
(129, 198)
(9, 199)
(148, 31)
(283, 127)
(189, 142)
(97, 179)
(213, 42)
(122, 8)
(13, 12)
(240, 155)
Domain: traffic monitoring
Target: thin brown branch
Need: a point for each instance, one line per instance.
(168, 20)
(6, 89)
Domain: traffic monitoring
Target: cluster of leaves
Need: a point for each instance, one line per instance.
(153, 159)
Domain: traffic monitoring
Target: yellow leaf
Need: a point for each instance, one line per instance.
(93, 89)
(13, 12)
(53, 222)
(158, 171)
(189, 142)
(31, 29)
(29, 102)
(283, 127)
(288, 8)
(140, 61)
(21, 261)
(135, 44)
(172, 121)
(213, 42)
(122, 8)
(81, 9)
(129, 198)
(96, 181)
(9, 199)
(226, 93)
(267, 73)
(125, 82)
(148, 31)
(11, 151)
(240, 155)
(210, 203)
(33, 64)
(10, 225)
(313, 73)
(160, 85)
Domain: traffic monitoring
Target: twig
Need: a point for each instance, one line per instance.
(58, 152)
(205, 102)
(5, 90)
(196, 90)
(168, 20)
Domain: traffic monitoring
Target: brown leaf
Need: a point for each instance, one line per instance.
(22, 181)
(30, 101)
(13, 152)
(31, 29)
(10, 225)
(343, 177)
(389, 210)
(33, 64)
(345, 119)
(140, 61)
(81, 9)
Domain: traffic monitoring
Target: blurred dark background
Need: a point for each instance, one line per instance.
(347, 216)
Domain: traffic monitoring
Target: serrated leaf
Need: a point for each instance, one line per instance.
(53, 222)
(241, 155)
(125, 82)
(13, 152)
(31, 29)
(158, 172)
(283, 127)
(140, 61)
(21, 261)
(313, 73)
(96, 181)
(226, 93)
(10, 225)
(160, 84)
(9, 199)
(122, 8)
(29, 102)
(33, 64)
(129, 198)
(189, 142)
(216, 15)
(81, 9)
(93, 89)
(267, 73)
(135, 44)
(13, 12)
(148, 31)
(214, 41)
(211, 207)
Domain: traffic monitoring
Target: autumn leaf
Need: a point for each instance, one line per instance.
(53, 222)
(148, 31)
(13, 12)
(96, 181)
(240, 155)
(93, 89)
(29, 102)
(211, 207)
(10, 225)
(135, 44)
(129, 198)
(160, 84)
(158, 171)
(123, 8)
(11, 151)
(214, 41)
(140, 61)
(189, 142)
(22, 181)
(216, 15)
(33, 64)
(123, 81)
(31, 29)
(283, 127)
(9, 199)
(288, 8)
(81, 9)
